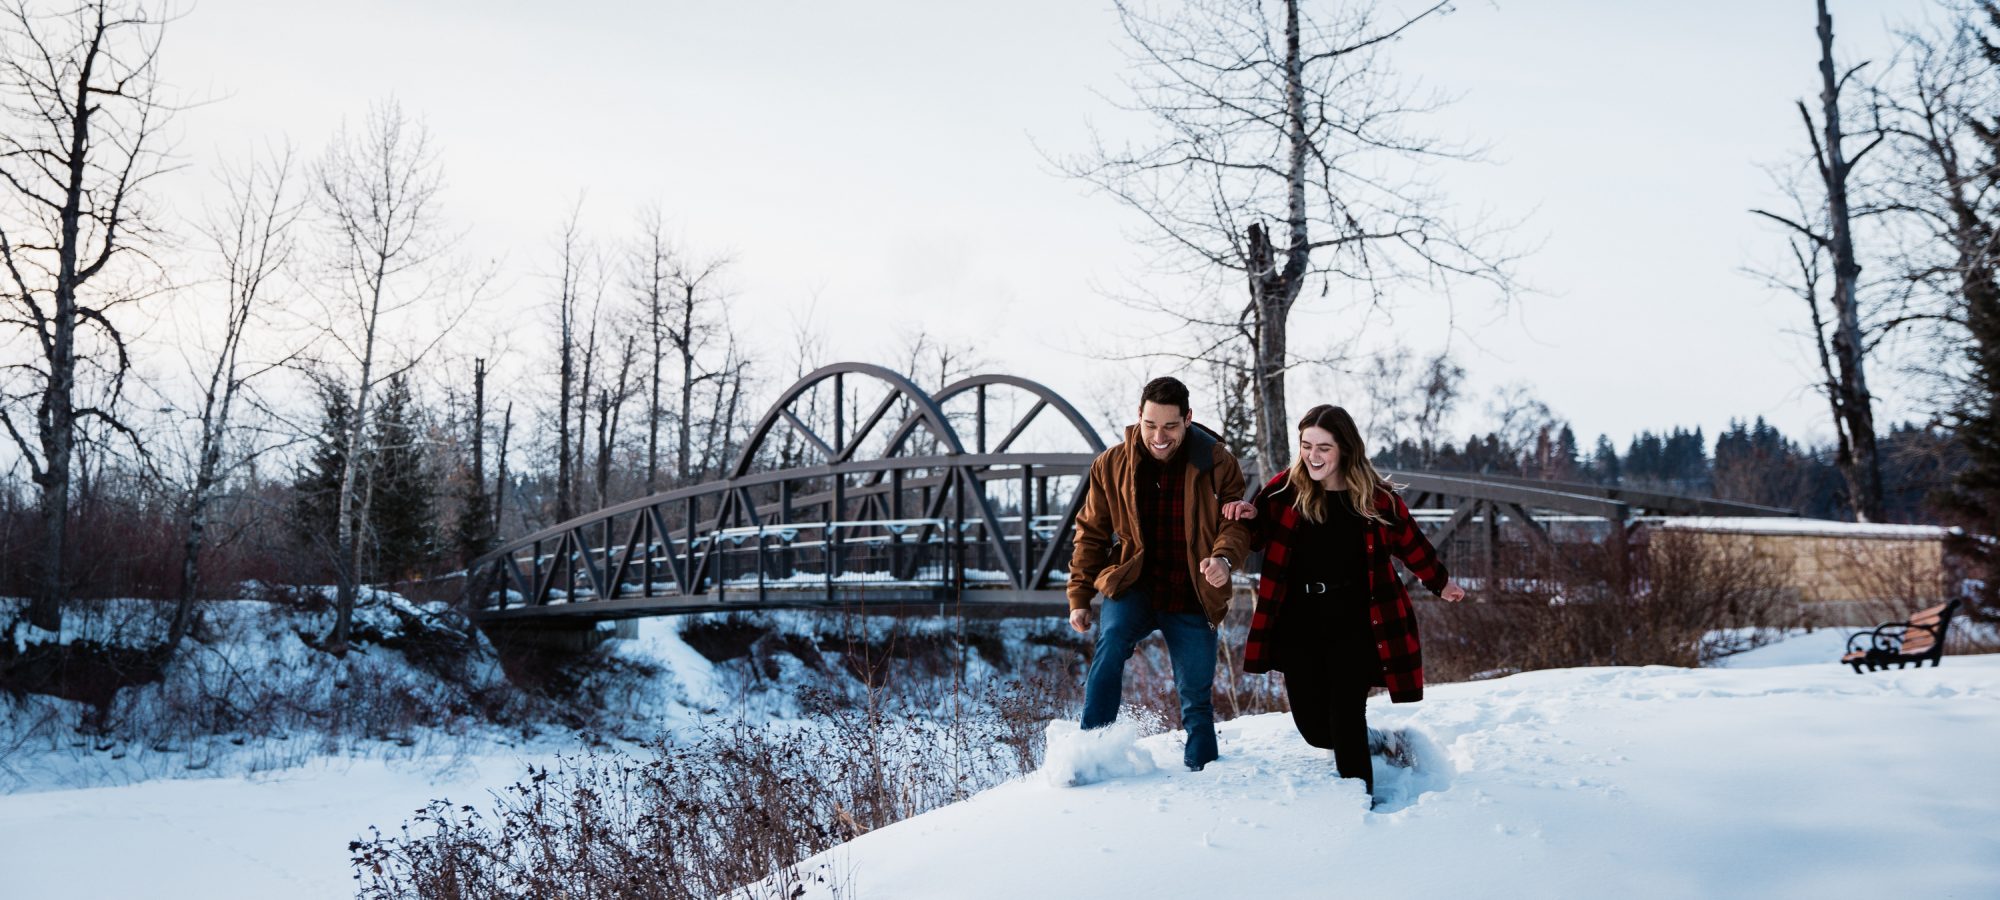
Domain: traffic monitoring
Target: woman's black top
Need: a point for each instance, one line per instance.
(1324, 621)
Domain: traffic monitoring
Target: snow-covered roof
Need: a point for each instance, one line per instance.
(1798, 526)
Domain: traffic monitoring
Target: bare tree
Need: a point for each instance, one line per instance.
(649, 278)
(378, 190)
(569, 281)
(1945, 187)
(1523, 423)
(725, 397)
(1280, 140)
(252, 238)
(610, 403)
(500, 478)
(80, 122)
(584, 385)
(1853, 405)
(1804, 274)
(1439, 390)
(691, 327)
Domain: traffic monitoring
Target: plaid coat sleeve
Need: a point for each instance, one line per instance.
(1407, 542)
(1265, 521)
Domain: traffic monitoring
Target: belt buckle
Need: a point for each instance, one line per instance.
(1316, 584)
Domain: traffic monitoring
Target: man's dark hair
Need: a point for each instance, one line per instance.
(1166, 391)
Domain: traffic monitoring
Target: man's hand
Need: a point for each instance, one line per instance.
(1452, 592)
(1079, 619)
(1239, 509)
(1216, 570)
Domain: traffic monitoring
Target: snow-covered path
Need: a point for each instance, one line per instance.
(1805, 781)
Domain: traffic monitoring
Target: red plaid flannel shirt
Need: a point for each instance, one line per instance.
(1389, 609)
(1163, 515)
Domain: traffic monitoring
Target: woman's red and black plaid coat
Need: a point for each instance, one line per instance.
(1389, 609)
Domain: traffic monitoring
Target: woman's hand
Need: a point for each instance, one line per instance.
(1079, 619)
(1452, 592)
(1239, 509)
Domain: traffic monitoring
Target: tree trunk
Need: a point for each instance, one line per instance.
(1273, 289)
(58, 426)
(583, 417)
(1268, 359)
(686, 346)
(348, 550)
(1863, 470)
(56, 417)
(565, 385)
(196, 523)
(500, 479)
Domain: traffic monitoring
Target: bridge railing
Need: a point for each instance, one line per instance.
(943, 524)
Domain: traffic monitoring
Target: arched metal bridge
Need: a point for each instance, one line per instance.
(907, 503)
(923, 499)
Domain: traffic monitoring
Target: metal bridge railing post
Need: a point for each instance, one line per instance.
(1028, 578)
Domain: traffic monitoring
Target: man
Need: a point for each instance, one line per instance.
(1160, 493)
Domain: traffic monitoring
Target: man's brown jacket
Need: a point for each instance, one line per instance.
(1110, 548)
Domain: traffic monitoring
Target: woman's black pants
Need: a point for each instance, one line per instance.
(1330, 706)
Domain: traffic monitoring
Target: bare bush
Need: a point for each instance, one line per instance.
(1690, 602)
(735, 804)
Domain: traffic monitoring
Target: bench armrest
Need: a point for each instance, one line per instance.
(1879, 640)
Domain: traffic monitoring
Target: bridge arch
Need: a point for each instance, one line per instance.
(925, 412)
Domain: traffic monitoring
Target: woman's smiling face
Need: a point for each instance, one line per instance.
(1321, 454)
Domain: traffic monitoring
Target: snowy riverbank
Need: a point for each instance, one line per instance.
(1777, 781)
(1791, 781)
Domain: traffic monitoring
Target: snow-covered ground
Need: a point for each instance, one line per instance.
(1766, 779)
(1792, 781)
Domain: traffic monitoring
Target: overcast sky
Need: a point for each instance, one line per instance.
(877, 163)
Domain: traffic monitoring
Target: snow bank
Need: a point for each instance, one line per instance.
(1788, 782)
(1763, 780)
(1799, 527)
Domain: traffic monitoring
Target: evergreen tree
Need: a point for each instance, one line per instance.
(1645, 459)
(472, 535)
(1566, 463)
(316, 483)
(475, 531)
(402, 495)
(1973, 498)
(1605, 467)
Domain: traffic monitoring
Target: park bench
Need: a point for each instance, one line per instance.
(1902, 643)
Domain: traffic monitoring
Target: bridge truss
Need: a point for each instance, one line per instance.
(925, 498)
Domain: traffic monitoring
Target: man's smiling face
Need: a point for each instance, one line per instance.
(1163, 427)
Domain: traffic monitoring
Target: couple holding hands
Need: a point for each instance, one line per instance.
(1331, 613)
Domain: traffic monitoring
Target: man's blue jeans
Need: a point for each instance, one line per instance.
(1126, 620)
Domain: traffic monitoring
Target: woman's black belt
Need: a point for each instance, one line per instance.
(1323, 587)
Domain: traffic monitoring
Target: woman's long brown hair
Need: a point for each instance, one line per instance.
(1364, 485)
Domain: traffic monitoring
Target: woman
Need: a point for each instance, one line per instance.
(1331, 613)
